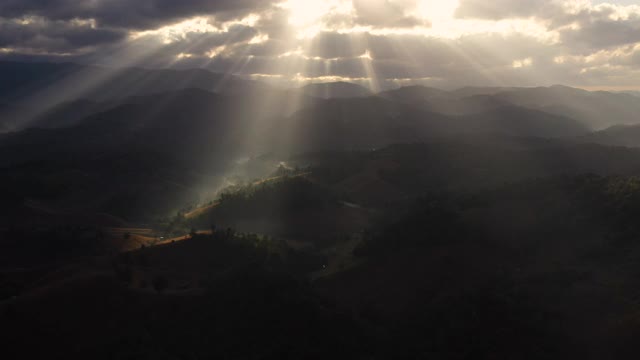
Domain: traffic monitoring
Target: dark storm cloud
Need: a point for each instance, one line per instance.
(582, 29)
(601, 29)
(201, 43)
(602, 35)
(270, 48)
(42, 35)
(132, 14)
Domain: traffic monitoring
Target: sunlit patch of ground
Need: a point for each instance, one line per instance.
(277, 178)
(200, 211)
(204, 209)
(127, 239)
(181, 238)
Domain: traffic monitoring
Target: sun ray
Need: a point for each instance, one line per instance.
(77, 84)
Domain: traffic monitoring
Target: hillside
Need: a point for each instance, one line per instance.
(23, 80)
(35, 89)
(596, 110)
(415, 94)
(335, 90)
(197, 120)
(375, 122)
(111, 87)
(621, 135)
(517, 121)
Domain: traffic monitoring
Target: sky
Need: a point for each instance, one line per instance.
(378, 43)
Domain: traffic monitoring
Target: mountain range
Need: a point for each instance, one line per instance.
(28, 99)
(169, 138)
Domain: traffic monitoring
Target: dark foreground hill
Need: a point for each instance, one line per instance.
(540, 268)
(483, 246)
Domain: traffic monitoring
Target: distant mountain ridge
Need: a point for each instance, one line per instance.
(104, 84)
(336, 90)
(63, 95)
(38, 89)
(619, 135)
(205, 124)
(597, 110)
(414, 94)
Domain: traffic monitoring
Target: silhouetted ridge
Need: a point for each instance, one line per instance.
(336, 90)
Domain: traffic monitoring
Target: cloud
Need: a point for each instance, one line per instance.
(330, 45)
(602, 27)
(581, 26)
(138, 14)
(633, 58)
(42, 35)
(386, 13)
(503, 42)
(502, 9)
